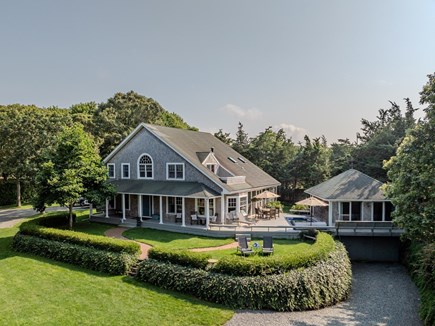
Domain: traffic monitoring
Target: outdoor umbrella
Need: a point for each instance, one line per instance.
(311, 201)
(266, 195)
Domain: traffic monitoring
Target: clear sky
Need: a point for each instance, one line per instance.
(314, 67)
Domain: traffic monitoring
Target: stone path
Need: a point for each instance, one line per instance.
(117, 234)
(382, 294)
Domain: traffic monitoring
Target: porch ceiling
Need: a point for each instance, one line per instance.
(164, 188)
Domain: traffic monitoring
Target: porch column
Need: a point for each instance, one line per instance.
(223, 209)
(362, 211)
(123, 207)
(107, 208)
(383, 211)
(207, 213)
(90, 210)
(339, 211)
(330, 213)
(161, 209)
(183, 218)
(139, 207)
(350, 211)
(372, 209)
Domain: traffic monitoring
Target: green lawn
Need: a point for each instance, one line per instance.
(281, 248)
(38, 291)
(173, 240)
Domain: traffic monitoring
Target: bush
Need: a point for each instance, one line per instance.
(180, 257)
(239, 266)
(324, 284)
(421, 264)
(275, 204)
(115, 263)
(36, 228)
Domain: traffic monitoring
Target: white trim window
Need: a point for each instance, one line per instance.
(174, 205)
(125, 171)
(111, 170)
(212, 167)
(244, 203)
(200, 206)
(145, 167)
(175, 171)
(231, 204)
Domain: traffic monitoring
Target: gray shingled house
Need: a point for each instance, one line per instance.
(168, 173)
(352, 196)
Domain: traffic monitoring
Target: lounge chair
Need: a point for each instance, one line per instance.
(243, 246)
(267, 245)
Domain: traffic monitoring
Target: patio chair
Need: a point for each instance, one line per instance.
(267, 245)
(243, 246)
(178, 218)
(213, 218)
(194, 218)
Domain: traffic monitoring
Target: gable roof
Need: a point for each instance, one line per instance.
(189, 143)
(351, 185)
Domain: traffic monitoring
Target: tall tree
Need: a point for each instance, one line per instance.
(25, 132)
(341, 156)
(72, 169)
(224, 137)
(412, 171)
(117, 117)
(241, 143)
(380, 139)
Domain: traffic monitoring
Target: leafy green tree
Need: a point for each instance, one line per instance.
(224, 137)
(24, 132)
(117, 117)
(241, 143)
(341, 156)
(412, 171)
(72, 169)
(380, 139)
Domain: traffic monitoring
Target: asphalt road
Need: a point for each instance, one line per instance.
(382, 294)
(10, 217)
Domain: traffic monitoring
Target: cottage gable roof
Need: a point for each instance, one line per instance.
(351, 185)
(193, 145)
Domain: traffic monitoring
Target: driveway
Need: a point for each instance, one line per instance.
(382, 294)
(10, 217)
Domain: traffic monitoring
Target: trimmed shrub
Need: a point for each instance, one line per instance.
(323, 284)
(422, 266)
(115, 263)
(180, 257)
(239, 266)
(36, 228)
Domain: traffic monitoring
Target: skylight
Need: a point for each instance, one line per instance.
(231, 159)
(242, 159)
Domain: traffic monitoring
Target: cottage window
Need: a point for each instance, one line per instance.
(175, 205)
(125, 169)
(200, 206)
(175, 171)
(145, 167)
(111, 170)
(232, 204)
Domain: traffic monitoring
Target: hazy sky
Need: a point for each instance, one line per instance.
(313, 67)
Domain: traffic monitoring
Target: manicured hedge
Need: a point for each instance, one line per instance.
(180, 257)
(115, 263)
(422, 266)
(37, 228)
(323, 284)
(239, 266)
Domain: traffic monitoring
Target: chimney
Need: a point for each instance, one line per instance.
(212, 149)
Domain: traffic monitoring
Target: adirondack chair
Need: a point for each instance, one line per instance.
(267, 245)
(243, 246)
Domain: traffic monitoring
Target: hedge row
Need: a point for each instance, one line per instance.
(37, 228)
(324, 284)
(115, 263)
(180, 257)
(238, 266)
(422, 265)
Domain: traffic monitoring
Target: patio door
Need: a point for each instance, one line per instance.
(146, 205)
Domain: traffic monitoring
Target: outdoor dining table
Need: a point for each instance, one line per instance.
(266, 212)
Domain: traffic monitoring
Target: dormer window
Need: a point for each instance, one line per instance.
(212, 167)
